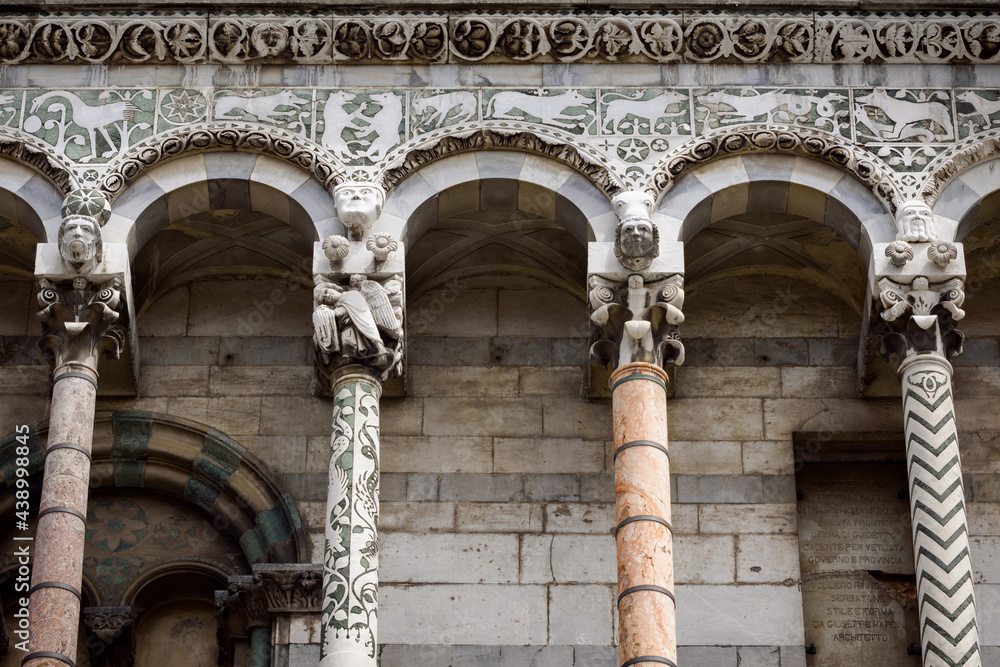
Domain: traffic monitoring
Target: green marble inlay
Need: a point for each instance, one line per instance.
(253, 546)
(201, 494)
(131, 442)
(132, 430)
(219, 458)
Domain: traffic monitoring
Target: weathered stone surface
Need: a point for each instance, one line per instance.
(806, 382)
(580, 614)
(597, 566)
(536, 559)
(715, 419)
(464, 614)
(448, 558)
(435, 454)
(704, 559)
(453, 312)
(552, 313)
(401, 416)
(719, 382)
(705, 458)
(741, 614)
(416, 516)
(262, 380)
(756, 518)
(579, 518)
(498, 517)
(553, 381)
(548, 455)
(719, 489)
(440, 351)
(463, 381)
(763, 559)
(482, 416)
(768, 457)
(482, 488)
(577, 419)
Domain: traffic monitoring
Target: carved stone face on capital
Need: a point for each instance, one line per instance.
(80, 242)
(358, 206)
(637, 240)
(915, 222)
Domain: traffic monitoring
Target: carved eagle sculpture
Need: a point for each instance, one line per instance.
(379, 304)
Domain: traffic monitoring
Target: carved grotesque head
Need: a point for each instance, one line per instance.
(358, 206)
(915, 222)
(80, 242)
(637, 240)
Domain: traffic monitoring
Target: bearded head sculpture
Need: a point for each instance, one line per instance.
(915, 222)
(358, 206)
(637, 240)
(80, 243)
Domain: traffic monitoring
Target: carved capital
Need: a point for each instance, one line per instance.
(113, 630)
(290, 589)
(80, 319)
(636, 320)
(358, 320)
(637, 239)
(920, 317)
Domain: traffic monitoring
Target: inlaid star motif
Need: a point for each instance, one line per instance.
(633, 150)
(183, 106)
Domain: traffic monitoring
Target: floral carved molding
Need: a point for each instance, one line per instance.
(670, 36)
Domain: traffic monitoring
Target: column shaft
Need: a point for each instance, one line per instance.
(949, 634)
(646, 607)
(350, 572)
(59, 541)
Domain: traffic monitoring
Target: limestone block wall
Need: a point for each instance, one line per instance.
(497, 492)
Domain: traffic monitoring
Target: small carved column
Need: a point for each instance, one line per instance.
(358, 321)
(920, 319)
(635, 310)
(81, 317)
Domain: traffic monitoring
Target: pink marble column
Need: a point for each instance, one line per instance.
(57, 570)
(647, 632)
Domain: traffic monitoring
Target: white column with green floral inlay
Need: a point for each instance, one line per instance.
(358, 321)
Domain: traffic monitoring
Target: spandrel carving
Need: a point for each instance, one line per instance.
(636, 321)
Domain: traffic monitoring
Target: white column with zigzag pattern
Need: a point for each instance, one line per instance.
(949, 635)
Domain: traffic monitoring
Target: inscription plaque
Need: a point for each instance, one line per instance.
(856, 553)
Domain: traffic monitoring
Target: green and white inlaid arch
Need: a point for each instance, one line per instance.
(185, 460)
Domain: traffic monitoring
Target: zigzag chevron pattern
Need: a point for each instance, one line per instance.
(949, 635)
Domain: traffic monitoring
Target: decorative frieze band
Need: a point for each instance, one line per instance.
(671, 36)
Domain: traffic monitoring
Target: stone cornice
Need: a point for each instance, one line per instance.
(428, 36)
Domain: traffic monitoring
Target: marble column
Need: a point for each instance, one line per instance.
(350, 559)
(646, 620)
(358, 321)
(80, 319)
(920, 319)
(636, 294)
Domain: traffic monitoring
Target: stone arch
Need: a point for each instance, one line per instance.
(414, 187)
(731, 184)
(762, 138)
(231, 179)
(33, 184)
(187, 461)
(963, 186)
(32, 153)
